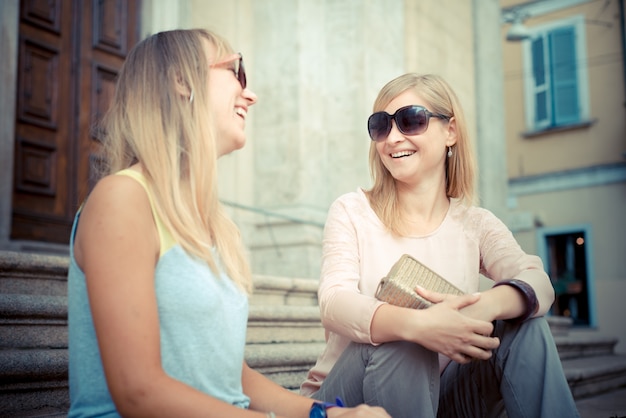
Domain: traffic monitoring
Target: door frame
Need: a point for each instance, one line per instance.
(542, 252)
(9, 26)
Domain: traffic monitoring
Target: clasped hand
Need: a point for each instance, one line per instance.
(458, 326)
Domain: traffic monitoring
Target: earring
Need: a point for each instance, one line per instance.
(449, 152)
(191, 97)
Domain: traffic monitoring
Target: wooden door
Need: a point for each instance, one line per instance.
(69, 54)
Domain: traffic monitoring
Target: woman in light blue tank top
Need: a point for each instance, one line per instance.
(158, 283)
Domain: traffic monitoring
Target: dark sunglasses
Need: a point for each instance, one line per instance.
(238, 69)
(410, 120)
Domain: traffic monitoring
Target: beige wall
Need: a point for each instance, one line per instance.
(577, 177)
(602, 142)
(602, 209)
(443, 43)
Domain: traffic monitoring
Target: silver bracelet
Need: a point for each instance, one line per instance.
(270, 415)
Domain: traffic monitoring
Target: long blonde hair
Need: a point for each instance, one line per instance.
(173, 138)
(460, 168)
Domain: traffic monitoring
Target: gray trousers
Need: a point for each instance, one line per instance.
(523, 378)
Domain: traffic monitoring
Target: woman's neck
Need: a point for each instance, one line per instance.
(423, 209)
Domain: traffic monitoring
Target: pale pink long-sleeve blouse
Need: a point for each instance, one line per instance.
(358, 250)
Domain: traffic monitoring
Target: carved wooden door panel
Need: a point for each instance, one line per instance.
(69, 55)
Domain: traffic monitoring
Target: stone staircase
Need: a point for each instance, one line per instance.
(284, 337)
(283, 340)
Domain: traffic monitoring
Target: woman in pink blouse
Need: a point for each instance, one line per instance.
(472, 355)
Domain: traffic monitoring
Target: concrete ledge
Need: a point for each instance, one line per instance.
(285, 364)
(593, 375)
(33, 365)
(277, 324)
(267, 356)
(269, 290)
(33, 321)
(559, 325)
(284, 313)
(28, 273)
(32, 335)
(33, 264)
(50, 401)
(18, 306)
(589, 344)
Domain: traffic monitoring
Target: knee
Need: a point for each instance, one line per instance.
(534, 331)
(537, 327)
(404, 352)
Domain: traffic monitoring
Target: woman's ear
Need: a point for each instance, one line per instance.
(452, 133)
(183, 88)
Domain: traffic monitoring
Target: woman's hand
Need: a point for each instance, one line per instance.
(481, 309)
(450, 331)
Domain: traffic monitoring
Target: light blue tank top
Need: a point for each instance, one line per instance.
(202, 318)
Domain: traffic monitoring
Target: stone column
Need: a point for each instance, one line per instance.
(160, 15)
(318, 66)
(490, 116)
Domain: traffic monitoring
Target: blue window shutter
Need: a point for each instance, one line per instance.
(541, 79)
(564, 75)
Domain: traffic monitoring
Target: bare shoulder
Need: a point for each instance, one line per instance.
(116, 214)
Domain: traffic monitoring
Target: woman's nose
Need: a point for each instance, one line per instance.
(250, 96)
(394, 134)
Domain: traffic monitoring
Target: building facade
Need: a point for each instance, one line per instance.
(564, 84)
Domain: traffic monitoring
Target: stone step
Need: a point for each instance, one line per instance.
(286, 364)
(280, 324)
(580, 343)
(589, 376)
(38, 321)
(33, 274)
(559, 325)
(33, 321)
(283, 291)
(41, 274)
(36, 379)
(32, 380)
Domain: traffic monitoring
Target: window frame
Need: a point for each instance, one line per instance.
(577, 24)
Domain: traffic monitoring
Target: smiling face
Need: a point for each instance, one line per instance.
(229, 102)
(416, 159)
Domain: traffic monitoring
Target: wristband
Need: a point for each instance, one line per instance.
(318, 409)
(530, 298)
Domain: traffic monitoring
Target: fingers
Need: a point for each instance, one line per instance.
(482, 327)
(461, 302)
(461, 358)
(481, 348)
(434, 297)
(456, 302)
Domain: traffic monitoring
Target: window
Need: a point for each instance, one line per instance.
(556, 75)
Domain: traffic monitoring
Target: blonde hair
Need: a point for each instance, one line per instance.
(173, 138)
(460, 167)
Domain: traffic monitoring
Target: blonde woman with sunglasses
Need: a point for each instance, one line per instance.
(474, 355)
(158, 282)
